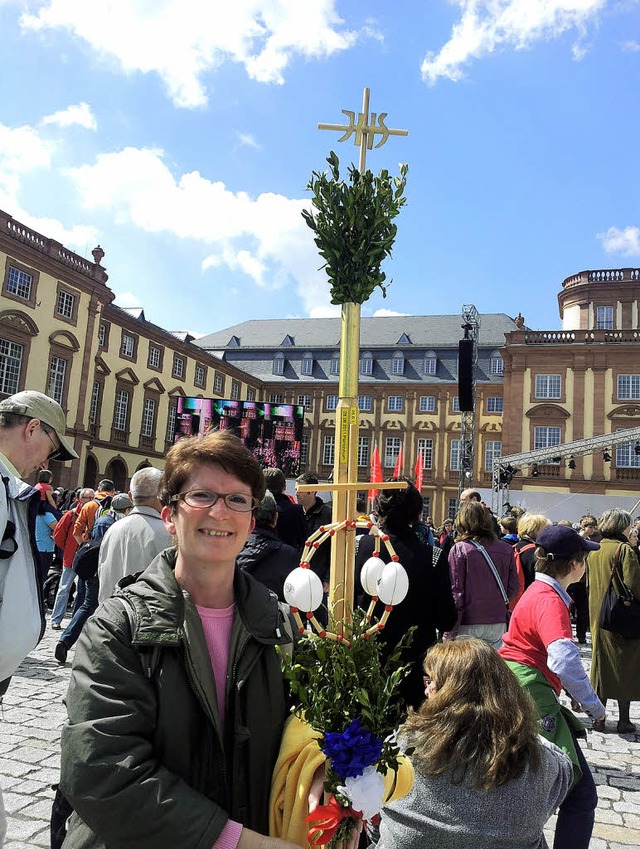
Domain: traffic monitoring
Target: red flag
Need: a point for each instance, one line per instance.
(418, 471)
(397, 471)
(376, 471)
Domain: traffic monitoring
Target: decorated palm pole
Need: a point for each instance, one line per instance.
(338, 681)
(354, 232)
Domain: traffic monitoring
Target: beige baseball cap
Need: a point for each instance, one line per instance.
(39, 406)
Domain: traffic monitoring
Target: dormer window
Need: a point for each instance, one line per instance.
(366, 363)
(278, 363)
(397, 363)
(306, 365)
(497, 363)
(335, 362)
(430, 363)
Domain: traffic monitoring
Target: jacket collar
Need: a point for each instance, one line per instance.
(159, 603)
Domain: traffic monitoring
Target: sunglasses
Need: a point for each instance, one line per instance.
(52, 455)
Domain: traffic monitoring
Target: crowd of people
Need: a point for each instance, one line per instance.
(177, 702)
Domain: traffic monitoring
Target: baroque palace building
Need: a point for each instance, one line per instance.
(408, 390)
(118, 377)
(575, 383)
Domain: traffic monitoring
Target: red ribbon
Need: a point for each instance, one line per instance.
(327, 818)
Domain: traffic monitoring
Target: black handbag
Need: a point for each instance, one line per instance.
(620, 611)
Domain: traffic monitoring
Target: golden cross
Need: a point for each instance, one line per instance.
(364, 130)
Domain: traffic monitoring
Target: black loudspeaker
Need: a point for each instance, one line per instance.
(465, 375)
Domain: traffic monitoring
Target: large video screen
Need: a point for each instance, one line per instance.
(271, 431)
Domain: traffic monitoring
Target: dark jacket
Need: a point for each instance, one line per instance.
(144, 761)
(292, 526)
(267, 559)
(318, 515)
(428, 604)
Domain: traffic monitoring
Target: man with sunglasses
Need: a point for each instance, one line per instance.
(32, 432)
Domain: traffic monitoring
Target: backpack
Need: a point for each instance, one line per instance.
(517, 552)
(85, 561)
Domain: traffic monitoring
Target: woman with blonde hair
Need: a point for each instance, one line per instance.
(484, 779)
(529, 526)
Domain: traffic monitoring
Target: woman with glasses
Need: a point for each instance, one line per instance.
(484, 779)
(176, 701)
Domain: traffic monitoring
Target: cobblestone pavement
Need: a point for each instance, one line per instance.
(33, 714)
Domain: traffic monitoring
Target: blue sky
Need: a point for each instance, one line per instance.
(180, 135)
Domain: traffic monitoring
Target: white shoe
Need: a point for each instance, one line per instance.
(56, 627)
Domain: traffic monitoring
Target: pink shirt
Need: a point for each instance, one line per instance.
(217, 626)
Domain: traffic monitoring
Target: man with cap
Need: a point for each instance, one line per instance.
(87, 598)
(540, 651)
(32, 431)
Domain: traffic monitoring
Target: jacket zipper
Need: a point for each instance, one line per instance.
(206, 712)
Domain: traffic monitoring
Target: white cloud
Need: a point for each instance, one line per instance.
(631, 46)
(182, 40)
(385, 312)
(625, 242)
(264, 237)
(22, 152)
(488, 25)
(247, 140)
(127, 300)
(79, 113)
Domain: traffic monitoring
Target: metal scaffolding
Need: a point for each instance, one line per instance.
(506, 468)
(471, 327)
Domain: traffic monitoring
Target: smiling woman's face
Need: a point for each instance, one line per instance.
(212, 536)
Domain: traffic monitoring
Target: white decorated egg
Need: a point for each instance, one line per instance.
(303, 589)
(370, 573)
(393, 584)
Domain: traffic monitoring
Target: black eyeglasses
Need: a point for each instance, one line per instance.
(203, 499)
(52, 455)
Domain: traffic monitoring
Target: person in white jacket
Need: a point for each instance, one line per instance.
(32, 432)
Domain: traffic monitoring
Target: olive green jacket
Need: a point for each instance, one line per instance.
(616, 661)
(145, 763)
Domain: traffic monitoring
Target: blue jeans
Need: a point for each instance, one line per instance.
(67, 578)
(577, 813)
(86, 604)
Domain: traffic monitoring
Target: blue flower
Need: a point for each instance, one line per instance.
(352, 751)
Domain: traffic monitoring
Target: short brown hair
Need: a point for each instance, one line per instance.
(220, 448)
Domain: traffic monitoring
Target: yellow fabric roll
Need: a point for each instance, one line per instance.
(299, 758)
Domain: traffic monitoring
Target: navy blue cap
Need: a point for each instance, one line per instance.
(562, 542)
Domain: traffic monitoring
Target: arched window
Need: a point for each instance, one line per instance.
(335, 362)
(306, 366)
(366, 363)
(430, 362)
(497, 363)
(397, 363)
(278, 363)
